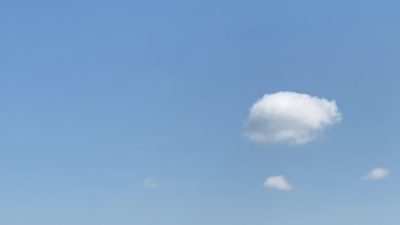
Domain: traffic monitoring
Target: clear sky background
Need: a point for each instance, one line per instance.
(97, 96)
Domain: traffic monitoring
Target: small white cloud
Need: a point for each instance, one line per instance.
(150, 183)
(278, 182)
(289, 118)
(377, 173)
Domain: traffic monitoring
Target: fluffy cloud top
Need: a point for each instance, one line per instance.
(150, 183)
(377, 173)
(289, 118)
(278, 182)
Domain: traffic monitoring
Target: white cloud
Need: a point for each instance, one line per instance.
(150, 183)
(278, 182)
(377, 173)
(289, 118)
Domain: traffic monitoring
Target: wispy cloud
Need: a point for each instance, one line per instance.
(278, 182)
(289, 118)
(377, 173)
(150, 183)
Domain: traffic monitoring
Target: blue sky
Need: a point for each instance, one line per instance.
(99, 96)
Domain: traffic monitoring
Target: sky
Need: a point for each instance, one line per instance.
(199, 112)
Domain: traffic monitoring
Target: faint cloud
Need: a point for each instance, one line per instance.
(377, 173)
(278, 182)
(150, 183)
(289, 118)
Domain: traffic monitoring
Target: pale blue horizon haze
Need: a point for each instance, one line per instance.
(133, 112)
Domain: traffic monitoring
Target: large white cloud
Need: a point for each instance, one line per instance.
(289, 118)
(278, 182)
(377, 173)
